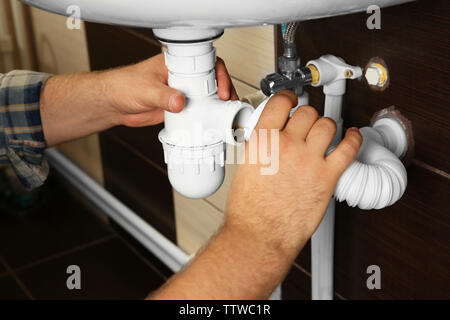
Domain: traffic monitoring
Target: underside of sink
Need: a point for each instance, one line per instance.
(206, 14)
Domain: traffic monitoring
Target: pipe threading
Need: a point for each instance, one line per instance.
(314, 74)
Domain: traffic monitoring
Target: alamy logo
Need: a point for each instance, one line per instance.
(74, 280)
(74, 17)
(263, 149)
(374, 280)
(374, 21)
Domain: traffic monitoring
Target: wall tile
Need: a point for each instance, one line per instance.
(57, 223)
(196, 222)
(109, 270)
(140, 185)
(296, 286)
(10, 290)
(249, 53)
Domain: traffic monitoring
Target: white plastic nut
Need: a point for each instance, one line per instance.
(195, 172)
(394, 135)
(376, 75)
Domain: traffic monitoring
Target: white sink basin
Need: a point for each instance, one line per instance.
(206, 14)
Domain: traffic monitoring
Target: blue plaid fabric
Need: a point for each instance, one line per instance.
(22, 141)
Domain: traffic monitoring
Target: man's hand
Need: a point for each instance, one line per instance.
(76, 105)
(283, 210)
(269, 218)
(140, 94)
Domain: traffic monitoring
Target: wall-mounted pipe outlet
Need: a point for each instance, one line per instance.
(194, 140)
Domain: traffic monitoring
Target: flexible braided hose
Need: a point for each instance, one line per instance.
(289, 32)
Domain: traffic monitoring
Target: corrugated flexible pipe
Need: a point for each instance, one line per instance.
(377, 178)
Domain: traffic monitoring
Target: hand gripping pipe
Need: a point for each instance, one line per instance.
(194, 140)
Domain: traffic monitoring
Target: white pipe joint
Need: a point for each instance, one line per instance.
(377, 179)
(194, 143)
(333, 71)
(194, 140)
(191, 68)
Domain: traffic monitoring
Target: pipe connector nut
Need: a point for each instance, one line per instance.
(376, 75)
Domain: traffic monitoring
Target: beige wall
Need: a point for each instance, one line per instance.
(9, 58)
(20, 13)
(249, 55)
(61, 50)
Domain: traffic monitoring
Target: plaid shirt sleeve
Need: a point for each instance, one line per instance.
(22, 141)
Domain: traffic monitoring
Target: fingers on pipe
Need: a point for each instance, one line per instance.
(321, 135)
(277, 110)
(301, 122)
(225, 86)
(346, 152)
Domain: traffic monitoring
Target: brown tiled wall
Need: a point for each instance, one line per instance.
(410, 241)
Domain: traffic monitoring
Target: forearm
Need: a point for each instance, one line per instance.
(74, 106)
(234, 265)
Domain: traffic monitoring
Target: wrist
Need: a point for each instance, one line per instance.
(276, 240)
(108, 88)
(267, 263)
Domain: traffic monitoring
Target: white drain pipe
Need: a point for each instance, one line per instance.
(322, 241)
(194, 140)
(333, 73)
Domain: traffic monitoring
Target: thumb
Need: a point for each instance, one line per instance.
(166, 98)
(345, 153)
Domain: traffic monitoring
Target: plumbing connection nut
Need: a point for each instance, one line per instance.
(191, 68)
(376, 75)
(195, 172)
